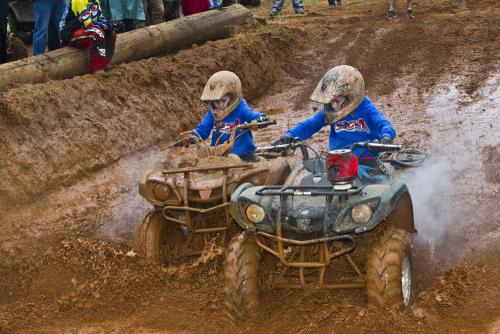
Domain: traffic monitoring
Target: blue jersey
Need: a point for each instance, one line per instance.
(242, 114)
(365, 123)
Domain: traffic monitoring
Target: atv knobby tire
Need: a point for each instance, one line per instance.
(242, 277)
(149, 236)
(389, 269)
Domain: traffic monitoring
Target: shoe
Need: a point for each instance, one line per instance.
(339, 3)
(331, 6)
(391, 15)
(409, 14)
(273, 13)
(299, 11)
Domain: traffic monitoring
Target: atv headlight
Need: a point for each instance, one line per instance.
(255, 213)
(361, 213)
(160, 191)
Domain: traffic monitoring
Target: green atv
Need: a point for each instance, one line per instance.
(318, 228)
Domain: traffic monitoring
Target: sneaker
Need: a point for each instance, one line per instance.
(331, 6)
(299, 11)
(409, 14)
(273, 13)
(391, 15)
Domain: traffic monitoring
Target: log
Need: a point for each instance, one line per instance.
(134, 45)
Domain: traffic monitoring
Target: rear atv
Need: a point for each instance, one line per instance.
(191, 201)
(316, 230)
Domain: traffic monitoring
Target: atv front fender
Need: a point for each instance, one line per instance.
(395, 208)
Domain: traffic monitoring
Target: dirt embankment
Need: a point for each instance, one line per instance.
(56, 132)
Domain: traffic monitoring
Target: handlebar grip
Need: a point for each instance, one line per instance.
(266, 124)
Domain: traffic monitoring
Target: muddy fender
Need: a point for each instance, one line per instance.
(395, 209)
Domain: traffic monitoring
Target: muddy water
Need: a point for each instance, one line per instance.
(453, 178)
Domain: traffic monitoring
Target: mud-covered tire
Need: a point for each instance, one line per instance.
(389, 269)
(149, 236)
(242, 277)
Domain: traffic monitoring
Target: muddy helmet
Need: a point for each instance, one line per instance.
(220, 84)
(342, 80)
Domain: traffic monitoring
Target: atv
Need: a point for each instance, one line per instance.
(191, 200)
(315, 230)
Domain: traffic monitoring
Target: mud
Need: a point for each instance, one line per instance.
(73, 151)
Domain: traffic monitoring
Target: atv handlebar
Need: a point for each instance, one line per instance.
(372, 146)
(189, 137)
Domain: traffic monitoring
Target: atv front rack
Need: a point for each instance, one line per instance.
(325, 254)
(188, 209)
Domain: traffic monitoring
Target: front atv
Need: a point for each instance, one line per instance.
(191, 201)
(315, 230)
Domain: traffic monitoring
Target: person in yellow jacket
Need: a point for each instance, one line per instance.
(84, 26)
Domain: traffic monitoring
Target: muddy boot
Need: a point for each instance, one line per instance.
(409, 14)
(391, 15)
(273, 13)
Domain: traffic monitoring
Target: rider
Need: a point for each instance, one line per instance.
(228, 109)
(352, 118)
(83, 25)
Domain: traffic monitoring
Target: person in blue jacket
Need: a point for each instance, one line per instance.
(352, 118)
(228, 109)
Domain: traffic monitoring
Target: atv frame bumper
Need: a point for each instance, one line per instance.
(325, 254)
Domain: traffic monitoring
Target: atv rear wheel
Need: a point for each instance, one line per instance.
(158, 240)
(389, 269)
(242, 280)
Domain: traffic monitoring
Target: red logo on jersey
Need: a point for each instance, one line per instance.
(352, 126)
(227, 127)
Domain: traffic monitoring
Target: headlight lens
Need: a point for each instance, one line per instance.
(361, 213)
(161, 191)
(255, 213)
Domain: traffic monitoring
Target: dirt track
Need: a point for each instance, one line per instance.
(64, 266)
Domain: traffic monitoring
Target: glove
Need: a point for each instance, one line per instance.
(263, 119)
(101, 23)
(284, 141)
(386, 140)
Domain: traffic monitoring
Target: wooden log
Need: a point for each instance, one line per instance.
(138, 44)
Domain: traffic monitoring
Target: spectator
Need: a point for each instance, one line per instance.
(392, 10)
(215, 4)
(333, 3)
(84, 26)
(126, 14)
(4, 9)
(48, 13)
(190, 7)
(298, 6)
(154, 11)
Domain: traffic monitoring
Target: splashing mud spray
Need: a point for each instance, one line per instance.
(467, 125)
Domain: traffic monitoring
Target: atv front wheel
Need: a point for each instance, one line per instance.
(242, 281)
(389, 269)
(158, 240)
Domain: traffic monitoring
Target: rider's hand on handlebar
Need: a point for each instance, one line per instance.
(263, 119)
(386, 140)
(284, 141)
